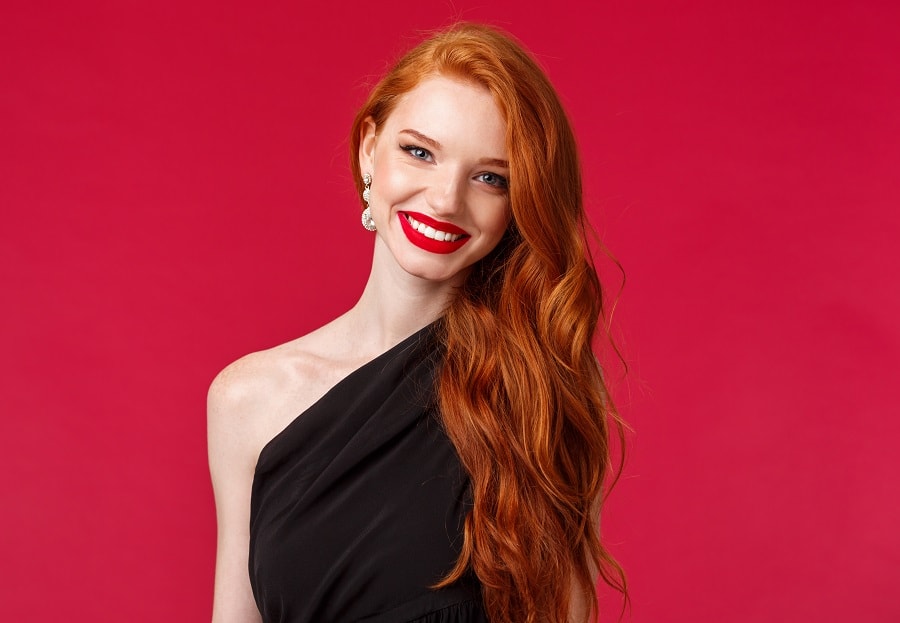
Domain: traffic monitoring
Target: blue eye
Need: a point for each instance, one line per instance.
(419, 153)
(492, 179)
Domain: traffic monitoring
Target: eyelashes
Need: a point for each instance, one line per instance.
(419, 153)
(494, 180)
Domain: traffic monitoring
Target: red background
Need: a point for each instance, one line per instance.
(175, 194)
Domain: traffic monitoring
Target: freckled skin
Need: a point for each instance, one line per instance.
(437, 154)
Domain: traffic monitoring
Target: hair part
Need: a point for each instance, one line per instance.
(520, 391)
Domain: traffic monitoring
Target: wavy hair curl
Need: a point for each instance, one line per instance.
(521, 394)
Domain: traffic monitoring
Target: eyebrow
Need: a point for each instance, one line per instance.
(425, 139)
(497, 162)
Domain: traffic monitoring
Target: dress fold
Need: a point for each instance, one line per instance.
(358, 504)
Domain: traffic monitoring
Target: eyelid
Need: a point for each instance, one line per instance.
(412, 147)
(503, 180)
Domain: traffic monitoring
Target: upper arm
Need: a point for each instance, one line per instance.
(232, 460)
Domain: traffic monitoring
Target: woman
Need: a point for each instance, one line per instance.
(450, 454)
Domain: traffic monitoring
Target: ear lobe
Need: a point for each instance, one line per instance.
(367, 145)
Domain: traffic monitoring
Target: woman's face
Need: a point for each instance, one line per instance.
(439, 170)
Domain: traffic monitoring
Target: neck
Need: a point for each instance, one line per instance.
(395, 304)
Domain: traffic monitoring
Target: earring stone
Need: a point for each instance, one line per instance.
(367, 221)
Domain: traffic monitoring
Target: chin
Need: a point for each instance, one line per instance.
(434, 269)
(437, 275)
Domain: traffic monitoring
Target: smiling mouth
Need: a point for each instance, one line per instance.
(430, 232)
(431, 235)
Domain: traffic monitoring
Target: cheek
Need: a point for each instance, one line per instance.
(395, 182)
(500, 220)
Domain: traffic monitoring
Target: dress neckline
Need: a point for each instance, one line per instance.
(393, 350)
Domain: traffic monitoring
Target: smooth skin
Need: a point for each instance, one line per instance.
(441, 153)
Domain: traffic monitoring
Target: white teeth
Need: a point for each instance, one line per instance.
(431, 232)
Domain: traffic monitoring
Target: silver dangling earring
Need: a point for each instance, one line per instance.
(367, 221)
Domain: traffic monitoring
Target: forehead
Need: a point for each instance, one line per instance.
(447, 108)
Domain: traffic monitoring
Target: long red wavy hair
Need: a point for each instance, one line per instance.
(521, 394)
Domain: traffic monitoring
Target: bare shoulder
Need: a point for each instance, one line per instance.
(240, 420)
(244, 397)
(240, 384)
(255, 397)
(244, 385)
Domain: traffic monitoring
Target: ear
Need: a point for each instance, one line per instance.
(367, 146)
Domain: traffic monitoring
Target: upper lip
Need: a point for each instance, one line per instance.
(450, 228)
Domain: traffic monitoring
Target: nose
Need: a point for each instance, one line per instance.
(446, 193)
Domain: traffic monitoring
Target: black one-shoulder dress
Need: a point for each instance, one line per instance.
(358, 505)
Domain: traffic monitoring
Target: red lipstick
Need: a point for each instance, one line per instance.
(429, 244)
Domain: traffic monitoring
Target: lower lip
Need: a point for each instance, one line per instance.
(429, 244)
